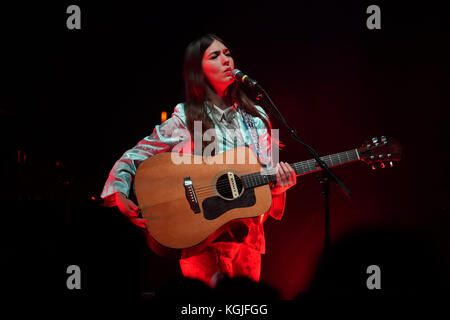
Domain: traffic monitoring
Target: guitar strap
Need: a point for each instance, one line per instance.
(250, 126)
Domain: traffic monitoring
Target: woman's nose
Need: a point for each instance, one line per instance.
(225, 60)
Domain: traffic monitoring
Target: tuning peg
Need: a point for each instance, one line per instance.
(366, 144)
(383, 165)
(375, 140)
(391, 164)
(374, 167)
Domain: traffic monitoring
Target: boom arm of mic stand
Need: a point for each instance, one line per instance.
(269, 103)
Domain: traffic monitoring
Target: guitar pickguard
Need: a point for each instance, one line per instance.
(214, 207)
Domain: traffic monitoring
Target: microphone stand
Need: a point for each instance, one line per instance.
(326, 174)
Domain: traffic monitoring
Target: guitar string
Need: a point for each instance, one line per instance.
(224, 186)
(255, 177)
(211, 190)
(308, 165)
(225, 183)
(247, 176)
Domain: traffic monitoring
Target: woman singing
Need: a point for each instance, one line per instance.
(213, 97)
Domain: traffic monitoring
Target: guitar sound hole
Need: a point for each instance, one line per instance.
(223, 186)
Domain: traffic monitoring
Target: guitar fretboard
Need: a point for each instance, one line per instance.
(266, 176)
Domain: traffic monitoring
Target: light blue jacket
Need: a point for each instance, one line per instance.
(170, 136)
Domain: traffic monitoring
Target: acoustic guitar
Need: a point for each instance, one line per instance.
(185, 203)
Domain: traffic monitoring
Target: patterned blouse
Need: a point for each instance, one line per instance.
(172, 136)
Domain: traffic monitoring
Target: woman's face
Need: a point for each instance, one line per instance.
(217, 65)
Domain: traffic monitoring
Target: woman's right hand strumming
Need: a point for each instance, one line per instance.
(130, 210)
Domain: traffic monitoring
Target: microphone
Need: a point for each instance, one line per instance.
(238, 75)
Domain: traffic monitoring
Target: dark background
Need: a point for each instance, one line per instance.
(73, 101)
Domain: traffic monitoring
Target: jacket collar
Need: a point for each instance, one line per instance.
(228, 114)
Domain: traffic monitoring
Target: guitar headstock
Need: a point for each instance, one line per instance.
(380, 151)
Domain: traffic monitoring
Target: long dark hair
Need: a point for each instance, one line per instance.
(196, 83)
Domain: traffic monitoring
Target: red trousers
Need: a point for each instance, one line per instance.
(230, 259)
(233, 254)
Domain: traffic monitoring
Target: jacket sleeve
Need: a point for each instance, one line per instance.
(269, 147)
(163, 139)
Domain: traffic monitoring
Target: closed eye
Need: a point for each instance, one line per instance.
(215, 54)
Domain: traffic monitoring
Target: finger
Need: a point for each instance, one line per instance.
(131, 213)
(290, 168)
(294, 176)
(277, 169)
(278, 174)
(294, 179)
(139, 222)
(282, 169)
(290, 173)
(278, 166)
(277, 183)
(284, 172)
(133, 206)
(134, 209)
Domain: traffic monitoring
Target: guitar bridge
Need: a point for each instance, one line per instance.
(190, 195)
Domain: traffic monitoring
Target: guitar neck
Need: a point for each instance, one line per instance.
(266, 176)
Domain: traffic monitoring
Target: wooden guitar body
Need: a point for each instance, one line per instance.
(186, 202)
